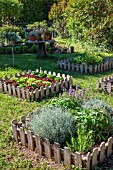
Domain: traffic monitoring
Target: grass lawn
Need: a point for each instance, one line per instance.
(10, 108)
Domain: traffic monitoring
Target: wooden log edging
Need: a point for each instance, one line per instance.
(37, 93)
(44, 148)
(106, 84)
(67, 64)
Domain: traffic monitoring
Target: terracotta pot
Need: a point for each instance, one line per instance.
(50, 37)
(32, 38)
(39, 38)
(46, 37)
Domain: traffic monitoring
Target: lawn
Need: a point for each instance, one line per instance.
(10, 108)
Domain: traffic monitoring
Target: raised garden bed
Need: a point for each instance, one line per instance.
(68, 64)
(40, 86)
(106, 84)
(43, 147)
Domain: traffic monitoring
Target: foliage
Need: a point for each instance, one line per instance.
(95, 120)
(53, 124)
(17, 49)
(8, 50)
(25, 49)
(10, 11)
(34, 49)
(84, 140)
(97, 104)
(39, 26)
(15, 107)
(57, 15)
(91, 20)
(36, 10)
(89, 59)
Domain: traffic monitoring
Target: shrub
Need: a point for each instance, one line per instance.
(1, 50)
(84, 140)
(97, 104)
(8, 50)
(25, 49)
(96, 120)
(34, 49)
(52, 123)
(17, 50)
(66, 102)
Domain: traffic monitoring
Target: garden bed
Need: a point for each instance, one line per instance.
(44, 147)
(106, 84)
(68, 64)
(38, 87)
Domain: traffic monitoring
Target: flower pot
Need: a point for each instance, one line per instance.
(32, 38)
(39, 38)
(46, 37)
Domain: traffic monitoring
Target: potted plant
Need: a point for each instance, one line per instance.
(39, 37)
(47, 35)
(32, 36)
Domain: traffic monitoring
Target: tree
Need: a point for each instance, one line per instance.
(35, 10)
(91, 20)
(58, 15)
(10, 11)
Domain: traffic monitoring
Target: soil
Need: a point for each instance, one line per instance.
(107, 164)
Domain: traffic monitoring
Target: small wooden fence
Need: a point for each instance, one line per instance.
(37, 93)
(67, 64)
(106, 84)
(43, 147)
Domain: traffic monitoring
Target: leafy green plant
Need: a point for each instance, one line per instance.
(17, 50)
(34, 49)
(8, 50)
(97, 104)
(66, 102)
(84, 139)
(25, 49)
(58, 78)
(47, 82)
(2, 50)
(96, 120)
(51, 76)
(42, 75)
(53, 123)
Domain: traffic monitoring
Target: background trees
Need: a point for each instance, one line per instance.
(10, 11)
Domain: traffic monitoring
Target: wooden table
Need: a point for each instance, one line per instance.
(42, 50)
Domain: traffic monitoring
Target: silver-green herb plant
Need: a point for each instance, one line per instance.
(53, 123)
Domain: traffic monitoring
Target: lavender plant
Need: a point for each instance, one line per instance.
(96, 104)
(53, 123)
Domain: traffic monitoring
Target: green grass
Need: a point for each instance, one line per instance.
(12, 157)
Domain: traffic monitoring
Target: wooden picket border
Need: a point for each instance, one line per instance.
(106, 84)
(67, 64)
(37, 93)
(45, 148)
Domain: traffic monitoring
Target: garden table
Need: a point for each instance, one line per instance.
(42, 50)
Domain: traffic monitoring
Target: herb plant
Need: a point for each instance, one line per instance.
(53, 123)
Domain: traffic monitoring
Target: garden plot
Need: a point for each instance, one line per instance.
(34, 84)
(106, 84)
(69, 130)
(44, 147)
(71, 65)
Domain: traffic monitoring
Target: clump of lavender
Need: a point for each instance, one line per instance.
(77, 92)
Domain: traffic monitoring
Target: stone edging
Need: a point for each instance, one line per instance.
(43, 147)
(37, 93)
